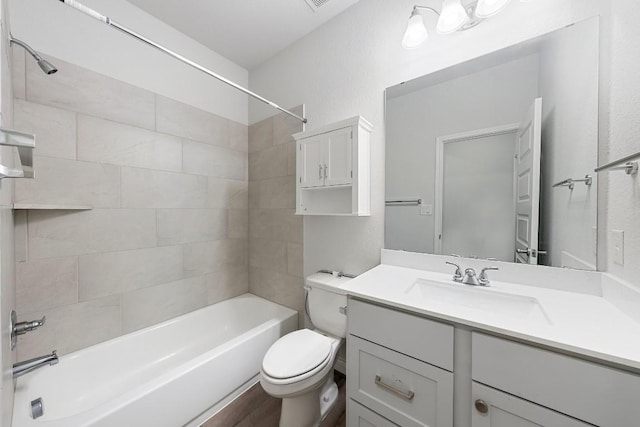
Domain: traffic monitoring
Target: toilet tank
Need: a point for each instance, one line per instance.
(326, 303)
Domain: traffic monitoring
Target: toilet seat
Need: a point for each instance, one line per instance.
(297, 356)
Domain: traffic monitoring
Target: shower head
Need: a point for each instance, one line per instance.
(45, 65)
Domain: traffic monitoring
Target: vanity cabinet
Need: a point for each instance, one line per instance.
(494, 408)
(332, 169)
(393, 378)
(401, 369)
(583, 390)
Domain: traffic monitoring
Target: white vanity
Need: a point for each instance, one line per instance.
(538, 347)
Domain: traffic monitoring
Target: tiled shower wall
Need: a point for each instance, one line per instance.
(167, 232)
(275, 233)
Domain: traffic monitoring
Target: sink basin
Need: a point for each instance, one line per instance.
(488, 301)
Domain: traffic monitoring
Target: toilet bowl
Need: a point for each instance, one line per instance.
(299, 366)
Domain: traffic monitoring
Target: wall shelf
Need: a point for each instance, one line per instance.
(42, 206)
(24, 143)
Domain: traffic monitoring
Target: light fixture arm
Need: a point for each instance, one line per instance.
(416, 8)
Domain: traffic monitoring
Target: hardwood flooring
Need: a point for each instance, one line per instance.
(255, 408)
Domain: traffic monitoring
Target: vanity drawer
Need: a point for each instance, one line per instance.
(594, 393)
(424, 339)
(400, 388)
(359, 416)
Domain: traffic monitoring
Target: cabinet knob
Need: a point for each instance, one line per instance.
(481, 406)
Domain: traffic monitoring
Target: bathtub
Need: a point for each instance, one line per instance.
(168, 374)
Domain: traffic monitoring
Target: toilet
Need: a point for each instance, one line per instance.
(299, 366)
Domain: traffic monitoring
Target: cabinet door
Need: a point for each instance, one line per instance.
(505, 410)
(311, 161)
(337, 157)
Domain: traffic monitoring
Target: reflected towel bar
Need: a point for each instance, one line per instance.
(631, 168)
(570, 182)
(409, 202)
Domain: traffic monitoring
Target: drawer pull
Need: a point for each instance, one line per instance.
(406, 395)
(481, 406)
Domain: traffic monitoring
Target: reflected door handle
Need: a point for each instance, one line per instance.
(522, 251)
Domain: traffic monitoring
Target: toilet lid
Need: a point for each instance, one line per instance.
(296, 353)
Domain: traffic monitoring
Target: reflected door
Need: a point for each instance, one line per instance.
(528, 184)
(475, 215)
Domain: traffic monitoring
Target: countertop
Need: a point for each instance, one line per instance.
(579, 323)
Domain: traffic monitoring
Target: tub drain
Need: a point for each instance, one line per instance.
(37, 408)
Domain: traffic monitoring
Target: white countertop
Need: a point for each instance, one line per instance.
(581, 323)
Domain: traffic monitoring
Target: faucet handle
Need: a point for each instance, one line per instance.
(483, 278)
(457, 276)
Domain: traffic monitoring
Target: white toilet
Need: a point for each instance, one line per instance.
(299, 366)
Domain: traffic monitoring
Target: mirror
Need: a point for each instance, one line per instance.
(489, 158)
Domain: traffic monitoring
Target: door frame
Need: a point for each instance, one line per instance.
(439, 169)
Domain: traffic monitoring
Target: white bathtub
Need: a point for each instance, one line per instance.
(165, 375)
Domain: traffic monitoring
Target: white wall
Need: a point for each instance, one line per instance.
(622, 191)
(569, 90)
(342, 69)
(60, 31)
(416, 119)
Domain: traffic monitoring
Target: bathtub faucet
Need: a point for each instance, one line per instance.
(27, 366)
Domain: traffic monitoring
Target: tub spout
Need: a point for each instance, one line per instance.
(27, 366)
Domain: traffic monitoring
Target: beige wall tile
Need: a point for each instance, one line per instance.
(283, 289)
(117, 272)
(291, 158)
(294, 259)
(261, 223)
(145, 188)
(72, 327)
(207, 257)
(70, 182)
(287, 226)
(176, 118)
(204, 159)
(254, 280)
(55, 233)
(268, 163)
(269, 254)
(238, 224)
(177, 226)
(46, 284)
(105, 141)
(19, 72)
(227, 284)
(227, 193)
(238, 136)
(84, 91)
(276, 193)
(284, 126)
(55, 129)
(261, 135)
(155, 304)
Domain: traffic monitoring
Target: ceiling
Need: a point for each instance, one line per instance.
(247, 32)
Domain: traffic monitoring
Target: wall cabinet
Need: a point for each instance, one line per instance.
(332, 169)
(401, 367)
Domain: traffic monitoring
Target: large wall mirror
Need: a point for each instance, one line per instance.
(494, 158)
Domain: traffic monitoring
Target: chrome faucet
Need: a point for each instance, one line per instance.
(470, 277)
(27, 366)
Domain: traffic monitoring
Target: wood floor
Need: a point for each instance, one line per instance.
(255, 408)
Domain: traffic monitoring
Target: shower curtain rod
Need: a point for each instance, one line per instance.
(106, 20)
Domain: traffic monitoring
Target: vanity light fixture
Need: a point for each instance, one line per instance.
(453, 16)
